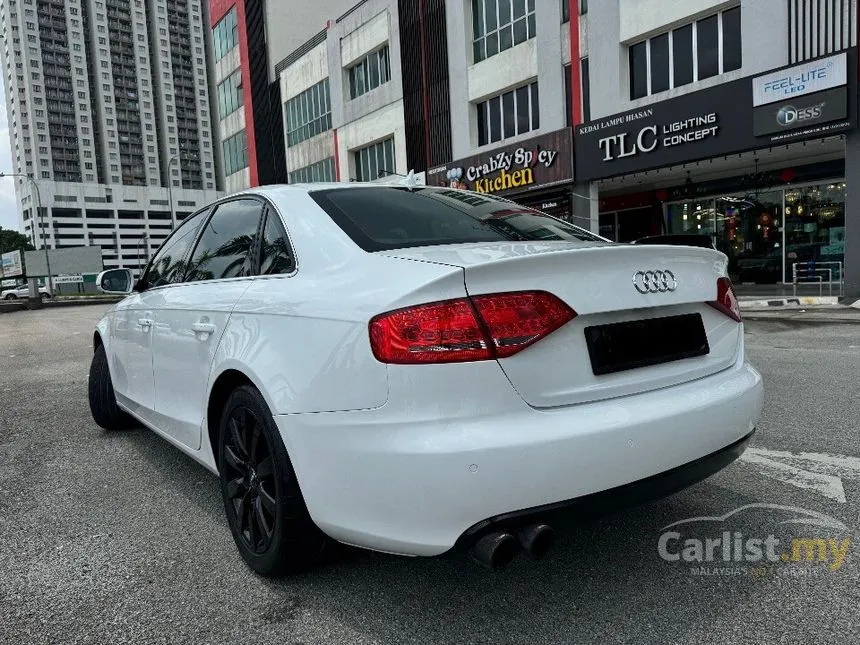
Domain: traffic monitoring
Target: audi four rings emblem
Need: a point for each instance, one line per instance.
(654, 281)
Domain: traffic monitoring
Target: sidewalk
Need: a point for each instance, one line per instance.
(812, 309)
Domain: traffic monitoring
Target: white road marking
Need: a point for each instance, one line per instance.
(820, 472)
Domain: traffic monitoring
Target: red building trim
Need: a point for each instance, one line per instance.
(217, 10)
(336, 157)
(575, 65)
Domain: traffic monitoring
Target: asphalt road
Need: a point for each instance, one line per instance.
(116, 538)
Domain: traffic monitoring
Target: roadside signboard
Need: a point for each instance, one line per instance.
(68, 279)
(70, 261)
(12, 265)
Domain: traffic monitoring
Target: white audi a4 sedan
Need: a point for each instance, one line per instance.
(421, 370)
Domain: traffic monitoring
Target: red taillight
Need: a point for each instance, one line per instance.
(726, 301)
(464, 329)
(517, 320)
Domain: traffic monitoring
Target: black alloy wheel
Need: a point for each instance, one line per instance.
(266, 511)
(250, 474)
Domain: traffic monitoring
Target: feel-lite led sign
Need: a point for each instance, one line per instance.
(806, 78)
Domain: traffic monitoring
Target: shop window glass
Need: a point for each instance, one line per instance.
(732, 39)
(749, 232)
(707, 47)
(638, 71)
(682, 55)
(660, 63)
(815, 232)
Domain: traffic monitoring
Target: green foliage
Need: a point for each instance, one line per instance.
(13, 241)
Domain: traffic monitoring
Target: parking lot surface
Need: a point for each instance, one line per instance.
(119, 538)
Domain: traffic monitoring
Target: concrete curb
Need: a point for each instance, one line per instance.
(787, 316)
(21, 304)
(81, 301)
(798, 301)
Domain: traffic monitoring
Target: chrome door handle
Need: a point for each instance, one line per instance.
(203, 328)
(145, 323)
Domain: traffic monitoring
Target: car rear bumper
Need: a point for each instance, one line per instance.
(409, 483)
(607, 501)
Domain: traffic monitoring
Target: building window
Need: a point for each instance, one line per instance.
(375, 161)
(308, 113)
(225, 34)
(565, 11)
(509, 114)
(320, 171)
(694, 52)
(372, 71)
(230, 97)
(235, 153)
(586, 89)
(568, 94)
(498, 25)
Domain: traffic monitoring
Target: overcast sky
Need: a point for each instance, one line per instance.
(8, 206)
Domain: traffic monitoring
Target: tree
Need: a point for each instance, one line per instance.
(13, 241)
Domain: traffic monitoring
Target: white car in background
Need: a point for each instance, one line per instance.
(23, 291)
(413, 369)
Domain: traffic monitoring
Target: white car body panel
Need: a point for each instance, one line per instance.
(190, 320)
(411, 482)
(130, 358)
(385, 453)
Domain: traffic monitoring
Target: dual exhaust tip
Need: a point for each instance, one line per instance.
(496, 550)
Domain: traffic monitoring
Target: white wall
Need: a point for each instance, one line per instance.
(506, 69)
(306, 72)
(642, 17)
(374, 127)
(364, 39)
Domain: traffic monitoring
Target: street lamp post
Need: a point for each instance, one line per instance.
(35, 186)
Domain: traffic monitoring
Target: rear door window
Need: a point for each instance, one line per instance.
(388, 217)
(227, 243)
(276, 255)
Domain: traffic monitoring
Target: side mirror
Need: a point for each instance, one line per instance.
(115, 281)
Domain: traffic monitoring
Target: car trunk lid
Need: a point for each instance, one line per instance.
(635, 329)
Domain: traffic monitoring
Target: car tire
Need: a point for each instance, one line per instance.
(44, 297)
(265, 509)
(103, 405)
(11, 296)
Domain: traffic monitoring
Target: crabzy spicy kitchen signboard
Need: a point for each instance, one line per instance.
(515, 168)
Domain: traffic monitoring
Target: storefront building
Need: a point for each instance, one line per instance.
(537, 172)
(757, 163)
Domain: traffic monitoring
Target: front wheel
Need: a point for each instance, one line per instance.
(11, 296)
(102, 398)
(44, 296)
(265, 509)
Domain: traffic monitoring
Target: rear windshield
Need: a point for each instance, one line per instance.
(388, 217)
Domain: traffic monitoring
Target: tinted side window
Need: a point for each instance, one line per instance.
(226, 243)
(276, 256)
(168, 265)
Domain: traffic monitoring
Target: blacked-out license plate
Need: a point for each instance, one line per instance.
(638, 343)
